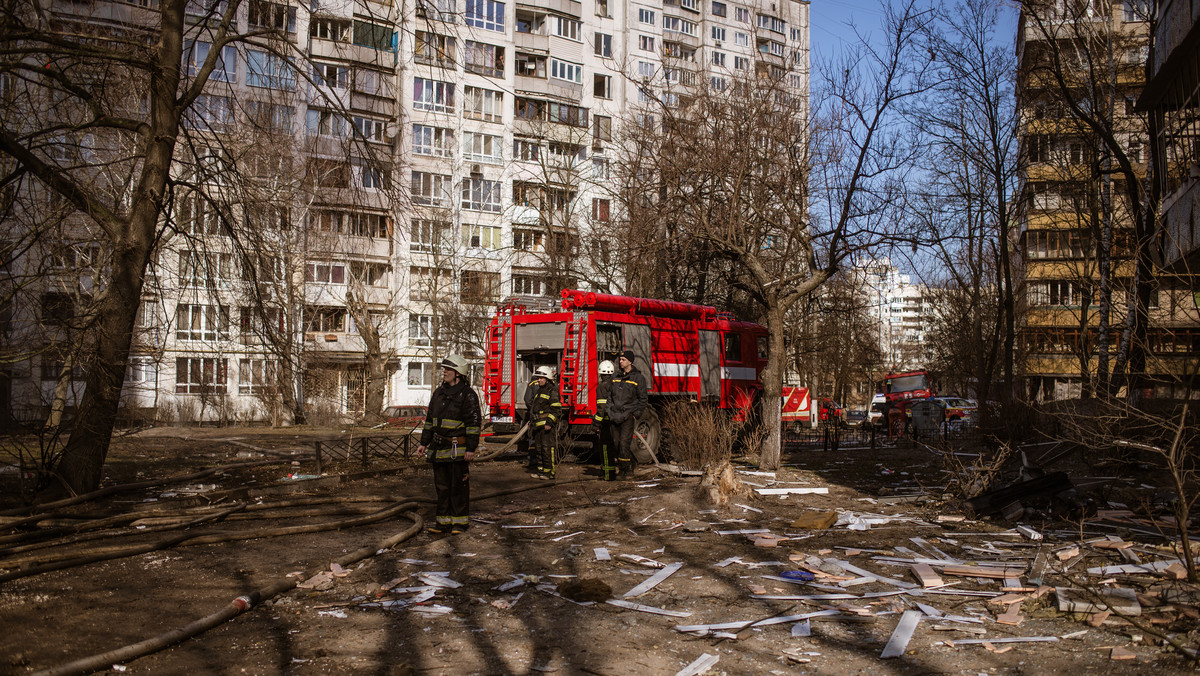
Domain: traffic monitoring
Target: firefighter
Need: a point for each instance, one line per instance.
(541, 409)
(626, 401)
(449, 440)
(608, 456)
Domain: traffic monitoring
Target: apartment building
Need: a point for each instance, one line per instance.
(1077, 236)
(354, 199)
(902, 311)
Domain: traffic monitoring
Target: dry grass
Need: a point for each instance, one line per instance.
(704, 438)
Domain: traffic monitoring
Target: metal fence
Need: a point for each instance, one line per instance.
(364, 448)
(832, 437)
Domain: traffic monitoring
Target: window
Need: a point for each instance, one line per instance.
(373, 35)
(603, 45)
(1136, 151)
(433, 95)
(269, 71)
(331, 75)
(432, 141)
(693, 5)
(256, 376)
(210, 112)
(527, 285)
(199, 375)
(428, 236)
(271, 117)
(599, 167)
(527, 240)
(565, 70)
(141, 371)
(646, 43)
(328, 173)
(420, 374)
(483, 104)
(480, 287)
(718, 9)
(433, 49)
(797, 35)
(733, 347)
(741, 63)
(325, 273)
(428, 283)
(526, 150)
(600, 209)
(773, 24)
(486, 14)
(741, 39)
(1136, 10)
(438, 10)
(326, 123)
(369, 225)
(566, 28)
(373, 82)
(58, 309)
(718, 59)
(563, 113)
(430, 189)
(646, 16)
(741, 14)
(201, 322)
(484, 59)
(1051, 244)
(602, 86)
(566, 154)
(718, 84)
(479, 194)
(271, 15)
(206, 271)
(482, 147)
(1058, 293)
(601, 128)
(198, 217)
(718, 33)
(374, 177)
(477, 236)
(602, 8)
(325, 320)
(195, 53)
(645, 69)
(420, 329)
(369, 128)
(677, 25)
(531, 65)
(337, 30)
(1038, 147)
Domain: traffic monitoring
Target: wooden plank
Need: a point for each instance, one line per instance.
(699, 665)
(902, 634)
(866, 573)
(792, 491)
(1152, 567)
(653, 580)
(1012, 616)
(926, 575)
(705, 628)
(990, 572)
(647, 609)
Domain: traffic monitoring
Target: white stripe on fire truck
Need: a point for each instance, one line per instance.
(738, 373)
(666, 370)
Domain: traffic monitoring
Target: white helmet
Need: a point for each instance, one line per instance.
(455, 362)
(607, 368)
(546, 372)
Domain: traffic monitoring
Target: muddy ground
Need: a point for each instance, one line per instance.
(529, 537)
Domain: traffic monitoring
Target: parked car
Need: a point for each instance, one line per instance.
(855, 418)
(957, 408)
(404, 416)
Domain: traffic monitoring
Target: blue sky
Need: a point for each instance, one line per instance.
(829, 30)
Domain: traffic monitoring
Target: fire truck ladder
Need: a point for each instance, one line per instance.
(571, 378)
(498, 335)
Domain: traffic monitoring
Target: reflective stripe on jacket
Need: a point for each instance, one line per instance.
(603, 390)
(542, 405)
(452, 424)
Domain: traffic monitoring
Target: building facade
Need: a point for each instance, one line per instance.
(359, 185)
(1082, 139)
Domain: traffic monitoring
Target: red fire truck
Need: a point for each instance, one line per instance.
(902, 390)
(689, 352)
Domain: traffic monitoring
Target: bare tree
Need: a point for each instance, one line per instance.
(737, 171)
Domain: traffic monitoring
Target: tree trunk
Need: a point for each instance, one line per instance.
(772, 382)
(82, 462)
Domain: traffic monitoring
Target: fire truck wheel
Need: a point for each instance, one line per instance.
(649, 426)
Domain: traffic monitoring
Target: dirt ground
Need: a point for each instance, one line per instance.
(488, 602)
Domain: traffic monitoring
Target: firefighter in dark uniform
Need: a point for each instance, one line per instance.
(626, 401)
(449, 440)
(608, 451)
(542, 407)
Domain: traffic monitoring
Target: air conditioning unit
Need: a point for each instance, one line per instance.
(476, 169)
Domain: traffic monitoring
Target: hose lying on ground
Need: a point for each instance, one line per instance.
(235, 607)
(492, 453)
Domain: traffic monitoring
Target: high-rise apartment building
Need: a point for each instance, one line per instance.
(1078, 240)
(357, 186)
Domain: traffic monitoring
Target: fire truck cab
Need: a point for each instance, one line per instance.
(688, 352)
